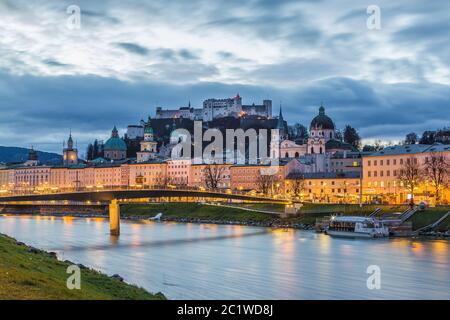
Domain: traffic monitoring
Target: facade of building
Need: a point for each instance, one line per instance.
(381, 172)
(347, 161)
(248, 177)
(325, 187)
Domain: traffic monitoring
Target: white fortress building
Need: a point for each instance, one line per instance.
(218, 108)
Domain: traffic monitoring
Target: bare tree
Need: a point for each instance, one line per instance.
(437, 172)
(410, 176)
(212, 176)
(163, 181)
(297, 183)
(265, 183)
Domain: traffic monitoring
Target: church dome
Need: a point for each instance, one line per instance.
(115, 143)
(322, 121)
(148, 130)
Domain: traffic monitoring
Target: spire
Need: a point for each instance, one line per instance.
(189, 104)
(114, 133)
(280, 123)
(70, 141)
(321, 109)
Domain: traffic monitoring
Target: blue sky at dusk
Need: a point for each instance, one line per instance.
(128, 58)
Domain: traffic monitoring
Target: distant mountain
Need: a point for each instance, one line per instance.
(16, 154)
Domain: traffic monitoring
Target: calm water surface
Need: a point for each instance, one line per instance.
(199, 261)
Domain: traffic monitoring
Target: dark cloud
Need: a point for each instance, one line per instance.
(54, 63)
(41, 110)
(298, 53)
(133, 48)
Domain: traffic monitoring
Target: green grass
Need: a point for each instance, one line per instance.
(193, 210)
(40, 276)
(424, 218)
(308, 215)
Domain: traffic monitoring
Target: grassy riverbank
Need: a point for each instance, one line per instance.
(307, 216)
(27, 273)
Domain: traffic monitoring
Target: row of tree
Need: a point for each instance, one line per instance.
(428, 137)
(94, 150)
(435, 170)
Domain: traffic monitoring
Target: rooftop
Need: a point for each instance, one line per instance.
(411, 149)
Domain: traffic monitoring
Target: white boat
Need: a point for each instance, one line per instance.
(356, 227)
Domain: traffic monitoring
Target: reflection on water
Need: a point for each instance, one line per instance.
(191, 261)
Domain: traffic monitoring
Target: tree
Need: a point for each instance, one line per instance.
(265, 182)
(297, 183)
(411, 176)
(428, 137)
(352, 137)
(437, 172)
(298, 131)
(213, 176)
(411, 138)
(368, 148)
(90, 152)
(339, 135)
(96, 152)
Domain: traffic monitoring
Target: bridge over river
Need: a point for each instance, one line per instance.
(116, 197)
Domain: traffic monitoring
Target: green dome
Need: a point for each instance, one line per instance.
(115, 143)
(148, 130)
(322, 121)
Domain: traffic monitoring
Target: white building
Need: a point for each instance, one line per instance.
(217, 108)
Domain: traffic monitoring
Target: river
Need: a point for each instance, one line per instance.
(202, 261)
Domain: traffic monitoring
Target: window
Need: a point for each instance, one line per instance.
(381, 162)
(369, 174)
(368, 163)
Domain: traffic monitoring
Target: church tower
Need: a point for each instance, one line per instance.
(70, 154)
(275, 139)
(148, 145)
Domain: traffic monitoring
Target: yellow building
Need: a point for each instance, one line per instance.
(381, 172)
(246, 177)
(327, 187)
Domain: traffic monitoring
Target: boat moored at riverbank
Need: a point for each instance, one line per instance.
(356, 227)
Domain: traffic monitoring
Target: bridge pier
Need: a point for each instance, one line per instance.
(114, 218)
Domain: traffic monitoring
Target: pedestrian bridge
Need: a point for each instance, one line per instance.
(115, 197)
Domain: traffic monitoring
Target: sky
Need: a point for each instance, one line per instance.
(129, 57)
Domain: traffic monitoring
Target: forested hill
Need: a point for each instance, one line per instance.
(16, 154)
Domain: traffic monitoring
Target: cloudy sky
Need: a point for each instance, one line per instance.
(126, 59)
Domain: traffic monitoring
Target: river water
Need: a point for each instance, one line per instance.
(202, 261)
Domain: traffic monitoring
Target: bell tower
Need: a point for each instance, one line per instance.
(70, 154)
